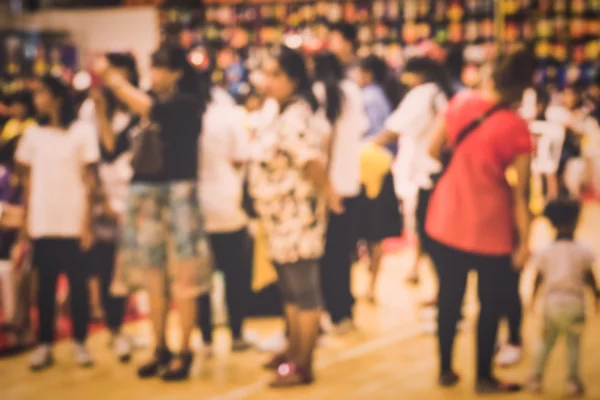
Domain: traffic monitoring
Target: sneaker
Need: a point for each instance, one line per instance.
(575, 388)
(344, 327)
(41, 358)
(509, 356)
(83, 358)
(239, 345)
(122, 348)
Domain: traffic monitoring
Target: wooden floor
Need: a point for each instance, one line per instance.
(389, 358)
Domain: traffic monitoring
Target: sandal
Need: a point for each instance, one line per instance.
(575, 388)
(161, 360)
(494, 386)
(182, 372)
(275, 362)
(291, 375)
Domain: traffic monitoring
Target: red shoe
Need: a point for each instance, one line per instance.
(275, 362)
(291, 375)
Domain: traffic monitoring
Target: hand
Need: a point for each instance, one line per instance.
(335, 203)
(521, 256)
(87, 239)
(101, 66)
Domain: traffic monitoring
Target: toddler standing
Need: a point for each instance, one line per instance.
(565, 269)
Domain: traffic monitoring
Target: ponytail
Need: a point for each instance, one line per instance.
(384, 77)
(329, 71)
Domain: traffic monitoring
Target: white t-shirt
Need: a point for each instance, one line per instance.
(57, 158)
(115, 175)
(344, 169)
(414, 120)
(223, 141)
(563, 266)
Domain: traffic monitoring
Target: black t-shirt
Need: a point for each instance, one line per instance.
(180, 123)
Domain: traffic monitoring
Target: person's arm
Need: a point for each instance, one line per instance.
(24, 172)
(12, 216)
(107, 136)
(386, 138)
(138, 101)
(537, 284)
(316, 172)
(522, 214)
(439, 139)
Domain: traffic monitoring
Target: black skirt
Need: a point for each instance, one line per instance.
(380, 218)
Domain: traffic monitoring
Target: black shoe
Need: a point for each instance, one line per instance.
(161, 360)
(449, 379)
(494, 386)
(183, 372)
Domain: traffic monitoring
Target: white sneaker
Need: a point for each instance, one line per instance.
(122, 348)
(41, 358)
(509, 355)
(83, 358)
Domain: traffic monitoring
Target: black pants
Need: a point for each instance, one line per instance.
(233, 256)
(514, 308)
(102, 259)
(495, 276)
(423, 198)
(52, 256)
(336, 263)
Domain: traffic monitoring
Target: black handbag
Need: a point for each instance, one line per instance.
(448, 151)
(147, 148)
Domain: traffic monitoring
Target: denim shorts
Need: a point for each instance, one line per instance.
(162, 228)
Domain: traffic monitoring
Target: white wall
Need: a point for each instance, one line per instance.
(97, 30)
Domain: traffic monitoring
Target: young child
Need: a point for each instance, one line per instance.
(565, 268)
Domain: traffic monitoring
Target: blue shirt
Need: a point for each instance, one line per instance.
(378, 109)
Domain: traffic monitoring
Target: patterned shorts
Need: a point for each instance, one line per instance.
(163, 230)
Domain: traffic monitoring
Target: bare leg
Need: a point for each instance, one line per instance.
(376, 252)
(413, 275)
(158, 305)
(95, 299)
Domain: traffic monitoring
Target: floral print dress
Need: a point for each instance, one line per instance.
(289, 205)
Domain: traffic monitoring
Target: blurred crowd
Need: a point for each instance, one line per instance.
(123, 188)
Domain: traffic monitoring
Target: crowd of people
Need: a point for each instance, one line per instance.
(152, 189)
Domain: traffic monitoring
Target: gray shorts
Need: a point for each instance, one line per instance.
(300, 284)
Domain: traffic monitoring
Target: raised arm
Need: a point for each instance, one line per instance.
(138, 101)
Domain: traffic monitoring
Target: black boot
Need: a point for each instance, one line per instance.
(181, 373)
(161, 360)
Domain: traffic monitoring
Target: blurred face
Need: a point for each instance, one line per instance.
(164, 80)
(277, 84)
(570, 98)
(411, 79)
(18, 110)
(45, 103)
(339, 46)
(363, 78)
(253, 103)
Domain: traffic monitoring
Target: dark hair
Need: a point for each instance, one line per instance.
(292, 64)
(578, 88)
(384, 77)
(432, 72)
(59, 90)
(329, 71)
(513, 74)
(563, 212)
(175, 58)
(25, 99)
(127, 62)
(348, 32)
